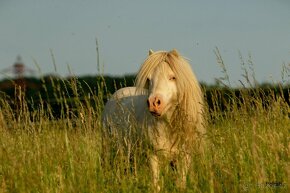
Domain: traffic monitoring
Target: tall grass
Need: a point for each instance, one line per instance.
(248, 146)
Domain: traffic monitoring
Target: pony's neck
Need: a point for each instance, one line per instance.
(171, 112)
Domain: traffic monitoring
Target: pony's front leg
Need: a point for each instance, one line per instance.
(155, 171)
(182, 170)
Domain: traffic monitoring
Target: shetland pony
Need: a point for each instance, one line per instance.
(165, 107)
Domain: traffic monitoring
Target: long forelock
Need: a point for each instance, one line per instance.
(148, 67)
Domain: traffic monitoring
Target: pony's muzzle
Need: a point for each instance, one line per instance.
(155, 105)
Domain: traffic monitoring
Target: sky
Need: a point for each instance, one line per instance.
(127, 29)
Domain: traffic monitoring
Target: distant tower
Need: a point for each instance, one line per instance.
(18, 71)
(19, 68)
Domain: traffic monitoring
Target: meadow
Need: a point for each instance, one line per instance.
(248, 147)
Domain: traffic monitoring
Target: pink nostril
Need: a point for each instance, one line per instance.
(157, 102)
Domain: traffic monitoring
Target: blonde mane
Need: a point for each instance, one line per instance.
(188, 116)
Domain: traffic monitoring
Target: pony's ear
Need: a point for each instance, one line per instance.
(150, 52)
(174, 52)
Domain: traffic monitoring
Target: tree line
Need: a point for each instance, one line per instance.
(53, 91)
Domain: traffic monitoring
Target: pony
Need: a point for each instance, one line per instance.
(166, 108)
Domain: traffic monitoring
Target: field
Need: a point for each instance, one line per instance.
(248, 148)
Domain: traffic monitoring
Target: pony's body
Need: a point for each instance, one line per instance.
(127, 109)
(165, 108)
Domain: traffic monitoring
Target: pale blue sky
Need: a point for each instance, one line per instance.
(127, 29)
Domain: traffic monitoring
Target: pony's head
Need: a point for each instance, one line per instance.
(173, 90)
(158, 77)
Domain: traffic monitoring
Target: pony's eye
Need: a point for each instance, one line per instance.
(147, 83)
(172, 78)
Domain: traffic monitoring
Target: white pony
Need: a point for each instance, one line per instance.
(165, 107)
